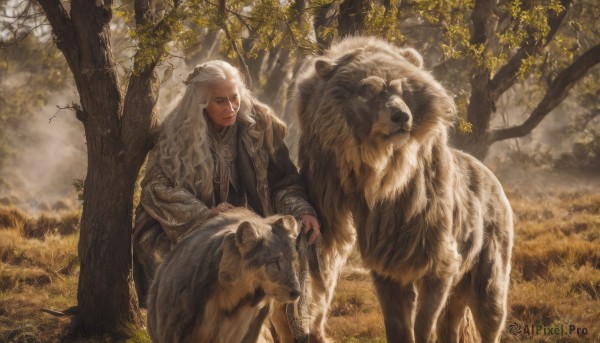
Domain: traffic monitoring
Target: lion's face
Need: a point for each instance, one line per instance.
(384, 98)
(381, 104)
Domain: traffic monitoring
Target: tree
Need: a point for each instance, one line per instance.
(491, 46)
(118, 128)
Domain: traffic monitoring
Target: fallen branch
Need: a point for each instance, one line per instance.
(53, 312)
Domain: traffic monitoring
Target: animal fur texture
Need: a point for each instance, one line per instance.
(218, 282)
(433, 224)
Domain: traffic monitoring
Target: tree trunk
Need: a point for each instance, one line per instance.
(352, 17)
(206, 50)
(255, 64)
(323, 17)
(479, 114)
(481, 105)
(105, 295)
(274, 92)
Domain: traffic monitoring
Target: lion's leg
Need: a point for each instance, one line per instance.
(397, 304)
(322, 297)
(433, 294)
(490, 314)
(323, 289)
(448, 325)
(488, 301)
(319, 311)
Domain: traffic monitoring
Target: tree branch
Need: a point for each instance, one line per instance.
(556, 93)
(63, 30)
(352, 16)
(142, 11)
(482, 12)
(507, 75)
(15, 23)
(240, 57)
(589, 117)
(139, 123)
(17, 38)
(222, 10)
(240, 17)
(480, 106)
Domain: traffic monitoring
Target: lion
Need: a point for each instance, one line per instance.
(218, 282)
(433, 223)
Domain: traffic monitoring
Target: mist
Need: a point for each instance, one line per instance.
(52, 152)
(51, 155)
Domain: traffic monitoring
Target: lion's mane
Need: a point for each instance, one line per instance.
(374, 151)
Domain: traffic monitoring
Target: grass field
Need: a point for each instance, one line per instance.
(555, 285)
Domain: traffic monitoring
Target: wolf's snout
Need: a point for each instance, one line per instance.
(400, 117)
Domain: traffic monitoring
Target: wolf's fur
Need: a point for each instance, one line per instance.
(432, 223)
(217, 284)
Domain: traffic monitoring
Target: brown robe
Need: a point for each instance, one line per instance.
(265, 173)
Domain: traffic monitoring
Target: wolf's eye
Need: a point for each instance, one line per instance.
(273, 267)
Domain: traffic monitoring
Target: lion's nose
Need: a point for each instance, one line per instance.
(294, 294)
(400, 117)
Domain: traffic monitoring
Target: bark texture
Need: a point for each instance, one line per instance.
(118, 130)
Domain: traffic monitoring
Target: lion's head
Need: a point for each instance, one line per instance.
(377, 104)
(382, 92)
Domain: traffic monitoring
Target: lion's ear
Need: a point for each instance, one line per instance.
(230, 265)
(246, 236)
(289, 224)
(412, 56)
(324, 68)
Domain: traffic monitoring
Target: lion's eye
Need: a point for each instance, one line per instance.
(370, 87)
(366, 92)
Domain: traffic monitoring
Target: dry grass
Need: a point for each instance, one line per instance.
(556, 267)
(555, 278)
(38, 269)
(355, 314)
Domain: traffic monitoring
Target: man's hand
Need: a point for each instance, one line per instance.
(310, 222)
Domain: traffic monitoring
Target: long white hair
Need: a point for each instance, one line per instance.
(182, 150)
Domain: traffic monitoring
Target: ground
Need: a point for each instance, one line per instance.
(554, 295)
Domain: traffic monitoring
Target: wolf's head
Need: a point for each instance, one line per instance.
(268, 250)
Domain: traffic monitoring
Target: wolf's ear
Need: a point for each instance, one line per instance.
(412, 56)
(289, 224)
(230, 265)
(246, 236)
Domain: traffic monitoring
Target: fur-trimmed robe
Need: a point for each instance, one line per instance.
(266, 174)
